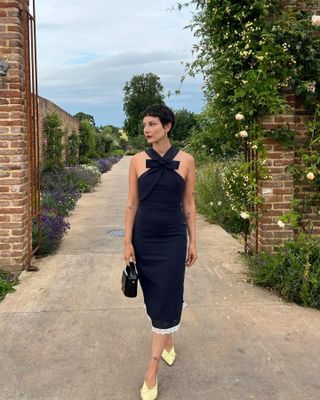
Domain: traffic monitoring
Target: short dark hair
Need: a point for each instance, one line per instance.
(164, 113)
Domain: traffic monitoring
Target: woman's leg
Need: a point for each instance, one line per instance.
(169, 342)
(158, 343)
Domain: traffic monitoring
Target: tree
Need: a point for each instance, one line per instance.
(72, 149)
(184, 122)
(52, 135)
(87, 138)
(107, 139)
(140, 92)
(82, 116)
(111, 129)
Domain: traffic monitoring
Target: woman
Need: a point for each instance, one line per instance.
(160, 211)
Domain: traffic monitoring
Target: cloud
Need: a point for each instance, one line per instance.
(86, 58)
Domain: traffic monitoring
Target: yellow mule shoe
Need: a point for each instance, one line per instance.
(169, 356)
(149, 394)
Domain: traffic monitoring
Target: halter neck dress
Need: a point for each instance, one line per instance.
(160, 240)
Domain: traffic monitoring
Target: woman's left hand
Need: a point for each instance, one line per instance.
(192, 255)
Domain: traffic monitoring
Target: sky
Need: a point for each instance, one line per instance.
(88, 50)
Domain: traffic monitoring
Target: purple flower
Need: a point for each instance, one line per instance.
(52, 229)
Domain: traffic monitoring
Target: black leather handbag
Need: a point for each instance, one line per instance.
(130, 280)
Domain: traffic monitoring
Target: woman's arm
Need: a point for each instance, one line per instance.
(131, 210)
(189, 208)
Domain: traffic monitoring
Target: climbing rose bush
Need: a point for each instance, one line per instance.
(249, 53)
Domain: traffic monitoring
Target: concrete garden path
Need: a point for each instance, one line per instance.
(68, 333)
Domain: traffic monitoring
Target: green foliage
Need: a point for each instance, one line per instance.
(93, 154)
(111, 130)
(61, 203)
(306, 173)
(239, 182)
(87, 139)
(7, 281)
(82, 116)
(123, 139)
(309, 154)
(52, 146)
(207, 140)
(87, 176)
(212, 200)
(117, 153)
(139, 93)
(185, 121)
(85, 160)
(137, 143)
(294, 271)
(285, 136)
(108, 139)
(104, 142)
(249, 53)
(72, 150)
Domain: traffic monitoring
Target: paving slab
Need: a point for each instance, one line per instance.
(68, 333)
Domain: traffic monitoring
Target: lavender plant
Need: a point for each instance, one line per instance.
(53, 227)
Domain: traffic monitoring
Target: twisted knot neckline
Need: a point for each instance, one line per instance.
(168, 164)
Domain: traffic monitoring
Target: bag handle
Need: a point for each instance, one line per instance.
(131, 265)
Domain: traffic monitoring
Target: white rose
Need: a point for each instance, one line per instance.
(310, 176)
(315, 20)
(243, 134)
(220, 202)
(254, 146)
(203, 146)
(239, 116)
(281, 224)
(311, 86)
(211, 203)
(244, 215)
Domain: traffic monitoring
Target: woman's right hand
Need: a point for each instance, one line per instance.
(128, 253)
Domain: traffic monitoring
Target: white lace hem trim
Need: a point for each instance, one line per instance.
(168, 330)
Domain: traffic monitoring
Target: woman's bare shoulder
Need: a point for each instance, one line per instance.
(139, 156)
(186, 156)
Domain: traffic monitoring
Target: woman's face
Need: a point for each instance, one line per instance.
(153, 129)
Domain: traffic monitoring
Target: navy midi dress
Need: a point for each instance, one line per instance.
(160, 240)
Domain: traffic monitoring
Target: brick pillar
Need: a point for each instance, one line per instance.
(14, 201)
(278, 192)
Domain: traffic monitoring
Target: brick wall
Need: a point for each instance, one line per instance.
(69, 123)
(13, 142)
